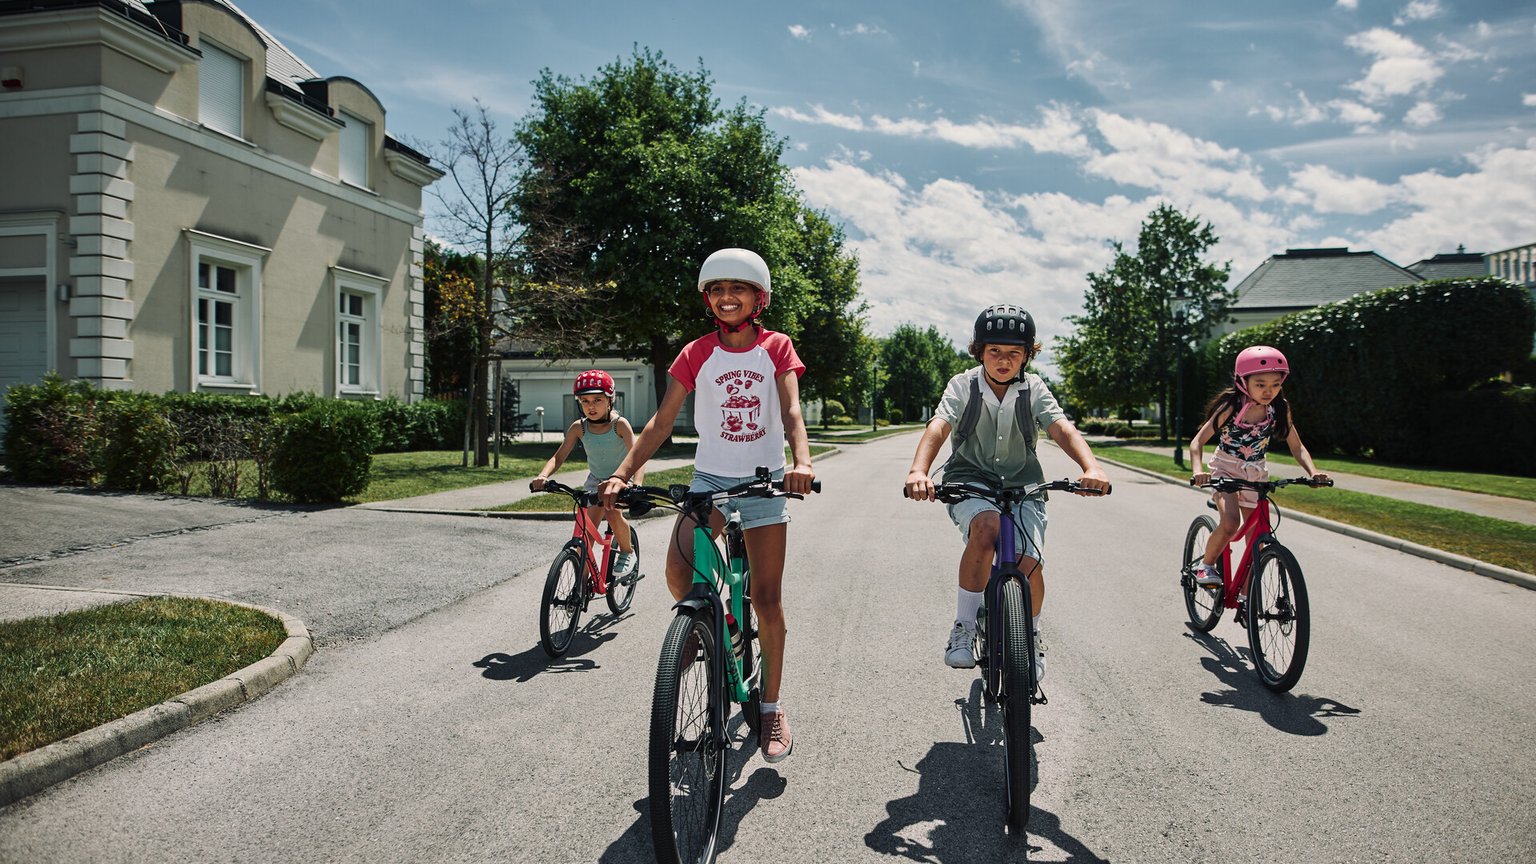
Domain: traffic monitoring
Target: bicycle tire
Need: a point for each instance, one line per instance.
(1018, 686)
(982, 651)
(1279, 618)
(1203, 604)
(621, 593)
(687, 763)
(563, 600)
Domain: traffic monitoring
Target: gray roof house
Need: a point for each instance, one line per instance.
(1306, 278)
(1460, 264)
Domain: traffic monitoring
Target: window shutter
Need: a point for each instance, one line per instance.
(354, 149)
(221, 78)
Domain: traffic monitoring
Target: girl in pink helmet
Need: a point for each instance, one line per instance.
(1244, 418)
(606, 438)
(746, 385)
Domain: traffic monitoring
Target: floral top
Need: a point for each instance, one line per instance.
(1248, 443)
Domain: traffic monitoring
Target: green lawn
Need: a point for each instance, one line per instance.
(67, 673)
(1496, 541)
(857, 434)
(406, 475)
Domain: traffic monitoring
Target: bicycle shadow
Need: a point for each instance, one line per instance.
(956, 814)
(1293, 713)
(523, 667)
(634, 845)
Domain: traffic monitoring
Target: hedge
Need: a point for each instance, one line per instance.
(1375, 375)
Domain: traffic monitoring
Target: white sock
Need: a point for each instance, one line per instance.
(769, 707)
(1037, 623)
(966, 604)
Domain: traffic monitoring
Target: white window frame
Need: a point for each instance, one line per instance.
(47, 226)
(355, 144)
(371, 289)
(215, 103)
(246, 260)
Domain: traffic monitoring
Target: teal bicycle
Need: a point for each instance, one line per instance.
(698, 676)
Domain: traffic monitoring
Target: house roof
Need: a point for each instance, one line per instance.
(1451, 265)
(1304, 278)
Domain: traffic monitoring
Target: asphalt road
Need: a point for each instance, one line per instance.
(430, 726)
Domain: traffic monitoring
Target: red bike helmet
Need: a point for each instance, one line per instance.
(1255, 359)
(594, 381)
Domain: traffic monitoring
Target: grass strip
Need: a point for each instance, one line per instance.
(1495, 541)
(64, 674)
(819, 433)
(550, 503)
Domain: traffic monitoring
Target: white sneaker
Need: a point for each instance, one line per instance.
(961, 651)
(623, 564)
(1039, 656)
(1206, 576)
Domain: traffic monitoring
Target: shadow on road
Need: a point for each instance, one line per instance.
(634, 845)
(1295, 713)
(957, 812)
(498, 666)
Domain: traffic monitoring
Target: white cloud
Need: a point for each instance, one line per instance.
(1218, 86)
(1327, 191)
(1058, 131)
(1528, 100)
(861, 29)
(1159, 157)
(1355, 114)
(1425, 113)
(1402, 67)
(1418, 10)
(1303, 113)
(1486, 208)
(1351, 5)
(799, 31)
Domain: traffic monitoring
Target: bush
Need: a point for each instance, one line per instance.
(897, 416)
(323, 454)
(1489, 412)
(1123, 430)
(831, 408)
(140, 451)
(1369, 371)
(843, 420)
(54, 432)
(1092, 427)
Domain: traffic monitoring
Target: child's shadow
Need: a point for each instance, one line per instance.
(1298, 714)
(598, 631)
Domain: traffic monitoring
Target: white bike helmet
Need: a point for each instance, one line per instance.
(737, 265)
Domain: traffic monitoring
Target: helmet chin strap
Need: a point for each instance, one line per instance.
(1014, 380)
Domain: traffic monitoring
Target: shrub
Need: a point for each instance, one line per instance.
(1123, 430)
(843, 420)
(54, 431)
(1092, 427)
(1491, 412)
(832, 410)
(897, 416)
(323, 454)
(140, 451)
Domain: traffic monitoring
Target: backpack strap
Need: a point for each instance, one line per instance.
(1024, 416)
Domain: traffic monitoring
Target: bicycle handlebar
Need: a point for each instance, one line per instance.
(681, 498)
(582, 497)
(1233, 484)
(951, 493)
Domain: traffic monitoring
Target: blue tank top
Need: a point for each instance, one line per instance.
(604, 451)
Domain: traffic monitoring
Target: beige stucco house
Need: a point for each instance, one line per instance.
(186, 205)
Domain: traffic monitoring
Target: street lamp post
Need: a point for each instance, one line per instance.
(874, 399)
(1180, 305)
(540, 411)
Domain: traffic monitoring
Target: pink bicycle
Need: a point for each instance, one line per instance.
(1275, 611)
(582, 570)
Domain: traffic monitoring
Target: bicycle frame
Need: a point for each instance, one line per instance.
(1255, 536)
(596, 548)
(719, 584)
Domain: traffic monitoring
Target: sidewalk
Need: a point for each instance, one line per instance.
(482, 498)
(1492, 506)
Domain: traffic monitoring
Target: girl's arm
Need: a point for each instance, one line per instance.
(559, 458)
(650, 438)
(1300, 454)
(1073, 444)
(919, 484)
(627, 435)
(798, 478)
(1206, 432)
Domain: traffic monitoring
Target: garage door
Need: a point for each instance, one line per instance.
(23, 333)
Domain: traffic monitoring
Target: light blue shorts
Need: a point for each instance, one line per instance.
(1029, 519)
(755, 512)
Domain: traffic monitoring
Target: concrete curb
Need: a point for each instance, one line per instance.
(1481, 568)
(38, 769)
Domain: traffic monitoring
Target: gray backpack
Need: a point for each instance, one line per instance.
(1023, 414)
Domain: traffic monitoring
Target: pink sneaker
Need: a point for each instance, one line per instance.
(774, 738)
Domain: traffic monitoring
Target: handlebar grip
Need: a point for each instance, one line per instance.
(816, 486)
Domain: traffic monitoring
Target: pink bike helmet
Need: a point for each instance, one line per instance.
(594, 381)
(1255, 359)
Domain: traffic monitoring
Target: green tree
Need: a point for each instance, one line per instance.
(655, 175)
(1142, 311)
(915, 366)
(831, 314)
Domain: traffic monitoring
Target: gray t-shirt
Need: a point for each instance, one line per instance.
(996, 452)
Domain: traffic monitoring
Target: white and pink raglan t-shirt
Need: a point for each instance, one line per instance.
(736, 401)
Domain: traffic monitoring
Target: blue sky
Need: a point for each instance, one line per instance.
(981, 151)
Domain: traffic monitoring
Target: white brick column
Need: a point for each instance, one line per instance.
(100, 267)
(416, 316)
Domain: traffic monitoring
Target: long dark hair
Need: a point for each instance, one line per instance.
(1230, 401)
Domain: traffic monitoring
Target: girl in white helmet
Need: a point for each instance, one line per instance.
(746, 406)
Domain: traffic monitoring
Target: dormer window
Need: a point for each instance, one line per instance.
(221, 90)
(356, 135)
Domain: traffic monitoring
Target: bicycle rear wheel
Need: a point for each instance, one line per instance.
(687, 760)
(1017, 686)
(621, 592)
(1203, 604)
(1279, 618)
(564, 597)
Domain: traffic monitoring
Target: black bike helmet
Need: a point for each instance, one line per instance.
(1005, 324)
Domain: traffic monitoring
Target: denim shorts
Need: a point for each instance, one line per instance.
(755, 512)
(1029, 522)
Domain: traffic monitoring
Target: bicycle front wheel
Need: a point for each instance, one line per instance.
(687, 758)
(1018, 686)
(621, 592)
(1279, 618)
(564, 595)
(1203, 604)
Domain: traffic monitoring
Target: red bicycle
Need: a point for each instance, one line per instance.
(1270, 596)
(582, 569)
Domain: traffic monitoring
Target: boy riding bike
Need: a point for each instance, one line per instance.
(995, 411)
